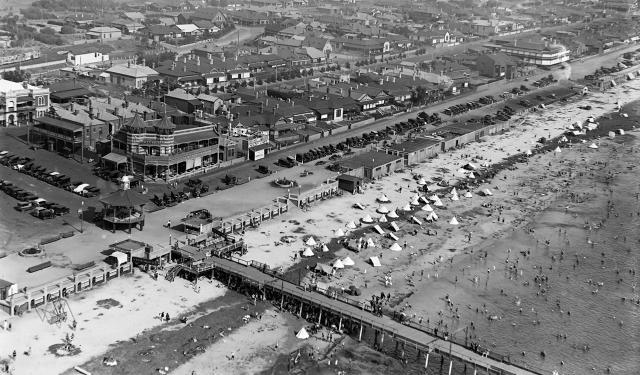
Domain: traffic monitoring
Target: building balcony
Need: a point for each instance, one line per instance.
(175, 157)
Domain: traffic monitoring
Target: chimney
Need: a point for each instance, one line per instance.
(109, 99)
(175, 58)
(144, 62)
(248, 113)
(387, 78)
(381, 81)
(184, 60)
(224, 58)
(128, 64)
(198, 62)
(293, 103)
(184, 68)
(394, 79)
(144, 116)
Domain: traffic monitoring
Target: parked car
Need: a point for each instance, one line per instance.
(24, 206)
(43, 213)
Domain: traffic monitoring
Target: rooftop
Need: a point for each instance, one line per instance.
(413, 145)
(371, 159)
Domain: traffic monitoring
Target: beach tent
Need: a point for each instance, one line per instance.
(358, 205)
(434, 197)
(427, 208)
(461, 171)
(383, 199)
(621, 131)
(424, 200)
(624, 115)
(348, 262)
(393, 214)
(557, 149)
(370, 243)
(307, 252)
(338, 264)
(393, 236)
(593, 145)
(470, 166)
(432, 217)
(422, 181)
(468, 194)
(339, 232)
(323, 268)
(394, 226)
(367, 219)
(528, 153)
(564, 139)
(453, 221)
(395, 247)
(591, 119)
(325, 249)
(383, 219)
(455, 197)
(613, 83)
(592, 126)
(311, 242)
(471, 175)
(383, 210)
(415, 220)
(351, 225)
(611, 135)
(302, 334)
(415, 201)
(454, 191)
(438, 203)
(375, 262)
(487, 192)
(630, 76)
(378, 229)
(407, 207)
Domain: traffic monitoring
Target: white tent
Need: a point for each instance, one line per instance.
(564, 139)
(424, 200)
(378, 229)
(471, 175)
(621, 131)
(415, 220)
(367, 219)
(593, 145)
(79, 188)
(393, 214)
(394, 226)
(528, 153)
(383, 198)
(407, 207)
(325, 249)
(487, 192)
(302, 334)
(358, 205)
(434, 197)
(432, 217)
(427, 208)
(307, 252)
(393, 236)
(455, 197)
(422, 181)
(557, 149)
(395, 247)
(438, 203)
(383, 210)
(470, 166)
(348, 262)
(415, 201)
(338, 264)
(454, 191)
(351, 225)
(339, 232)
(592, 126)
(468, 194)
(612, 135)
(453, 221)
(375, 262)
(383, 219)
(591, 119)
(311, 242)
(624, 115)
(370, 243)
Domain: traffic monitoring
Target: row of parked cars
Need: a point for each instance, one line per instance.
(27, 166)
(462, 108)
(29, 202)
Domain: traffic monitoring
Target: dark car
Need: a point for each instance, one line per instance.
(264, 169)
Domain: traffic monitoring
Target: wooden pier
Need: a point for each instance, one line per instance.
(355, 315)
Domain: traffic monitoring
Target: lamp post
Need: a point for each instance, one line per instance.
(81, 213)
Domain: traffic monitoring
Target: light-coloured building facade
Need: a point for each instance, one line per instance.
(21, 103)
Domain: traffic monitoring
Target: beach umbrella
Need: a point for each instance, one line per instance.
(427, 208)
(370, 243)
(593, 145)
(308, 252)
(339, 232)
(438, 203)
(487, 192)
(348, 262)
(395, 247)
(367, 219)
(383, 219)
(311, 242)
(393, 214)
(471, 175)
(383, 198)
(383, 210)
(302, 334)
(422, 181)
(415, 220)
(528, 153)
(453, 221)
(407, 207)
(455, 197)
(351, 225)
(325, 249)
(338, 264)
(468, 194)
(557, 149)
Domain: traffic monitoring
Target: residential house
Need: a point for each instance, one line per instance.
(321, 44)
(206, 27)
(211, 103)
(213, 15)
(246, 17)
(130, 75)
(20, 103)
(537, 53)
(497, 65)
(104, 33)
(189, 29)
(366, 47)
(373, 164)
(184, 101)
(161, 32)
(85, 54)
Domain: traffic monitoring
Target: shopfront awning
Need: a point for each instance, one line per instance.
(115, 158)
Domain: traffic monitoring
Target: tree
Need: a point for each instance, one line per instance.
(67, 29)
(16, 75)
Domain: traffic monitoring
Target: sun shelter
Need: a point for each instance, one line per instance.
(367, 219)
(348, 262)
(591, 119)
(434, 197)
(302, 334)
(468, 194)
(455, 197)
(454, 191)
(358, 205)
(415, 220)
(383, 199)
(415, 201)
(375, 261)
(393, 214)
(323, 268)
(378, 229)
(432, 216)
(339, 232)
(564, 139)
(487, 192)
(370, 242)
(407, 207)
(621, 131)
(471, 175)
(453, 221)
(383, 219)
(393, 236)
(395, 247)
(528, 153)
(611, 135)
(124, 207)
(422, 181)
(438, 203)
(394, 226)
(424, 200)
(307, 252)
(383, 210)
(311, 241)
(557, 149)
(338, 264)
(593, 145)
(470, 167)
(351, 225)
(427, 208)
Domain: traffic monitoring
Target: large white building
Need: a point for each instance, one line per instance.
(86, 54)
(20, 103)
(543, 53)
